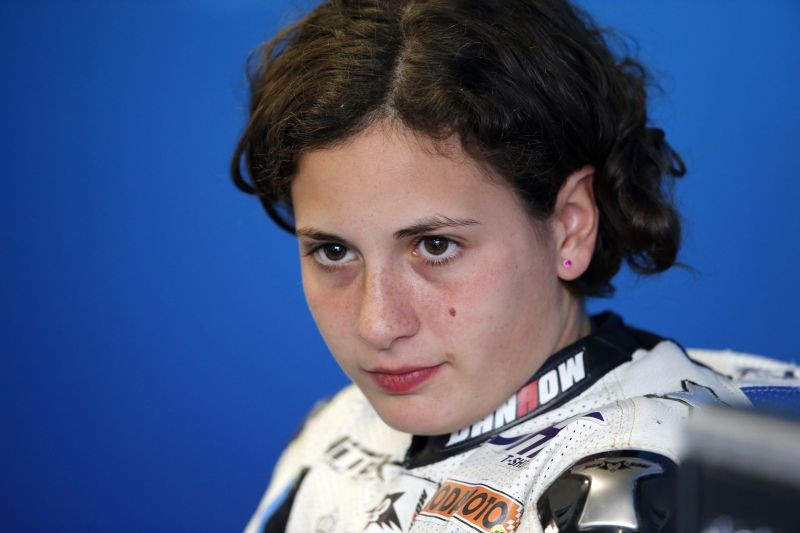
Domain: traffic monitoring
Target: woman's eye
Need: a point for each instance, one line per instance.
(436, 250)
(333, 254)
(435, 245)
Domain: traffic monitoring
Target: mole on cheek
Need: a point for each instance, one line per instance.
(452, 311)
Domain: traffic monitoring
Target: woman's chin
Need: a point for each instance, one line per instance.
(415, 417)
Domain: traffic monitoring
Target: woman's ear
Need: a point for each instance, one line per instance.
(575, 221)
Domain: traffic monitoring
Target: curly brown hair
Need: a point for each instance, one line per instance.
(530, 87)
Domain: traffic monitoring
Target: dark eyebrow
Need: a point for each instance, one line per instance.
(431, 224)
(425, 225)
(317, 235)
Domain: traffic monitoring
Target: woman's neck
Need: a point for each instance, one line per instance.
(576, 323)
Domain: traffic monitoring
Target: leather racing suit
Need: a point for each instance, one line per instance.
(589, 443)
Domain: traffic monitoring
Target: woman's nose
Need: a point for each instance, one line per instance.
(387, 312)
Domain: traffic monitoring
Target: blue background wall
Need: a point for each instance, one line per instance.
(156, 349)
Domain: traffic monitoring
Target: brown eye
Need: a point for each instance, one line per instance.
(437, 250)
(334, 252)
(436, 245)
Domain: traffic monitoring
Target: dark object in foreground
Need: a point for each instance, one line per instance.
(742, 473)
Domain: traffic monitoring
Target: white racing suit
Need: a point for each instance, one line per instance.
(590, 443)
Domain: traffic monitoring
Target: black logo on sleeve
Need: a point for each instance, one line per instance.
(384, 515)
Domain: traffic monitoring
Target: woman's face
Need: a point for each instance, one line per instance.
(431, 285)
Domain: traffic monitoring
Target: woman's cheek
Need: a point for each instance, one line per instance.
(339, 313)
(463, 308)
(334, 311)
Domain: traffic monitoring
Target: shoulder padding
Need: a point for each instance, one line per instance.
(615, 491)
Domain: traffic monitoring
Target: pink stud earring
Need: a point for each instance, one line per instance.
(567, 263)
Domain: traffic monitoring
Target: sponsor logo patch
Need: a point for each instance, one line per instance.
(519, 450)
(384, 515)
(537, 393)
(349, 457)
(477, 506)
(418, 509)
(395, 510)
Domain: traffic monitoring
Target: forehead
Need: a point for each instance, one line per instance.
(387, 147)
(390, 175)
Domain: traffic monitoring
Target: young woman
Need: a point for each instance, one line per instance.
(460, 175)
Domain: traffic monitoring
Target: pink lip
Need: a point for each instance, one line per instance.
(402, 380)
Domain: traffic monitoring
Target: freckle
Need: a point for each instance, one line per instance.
(452, 311)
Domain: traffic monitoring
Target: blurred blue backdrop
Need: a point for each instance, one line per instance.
(156, 349)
